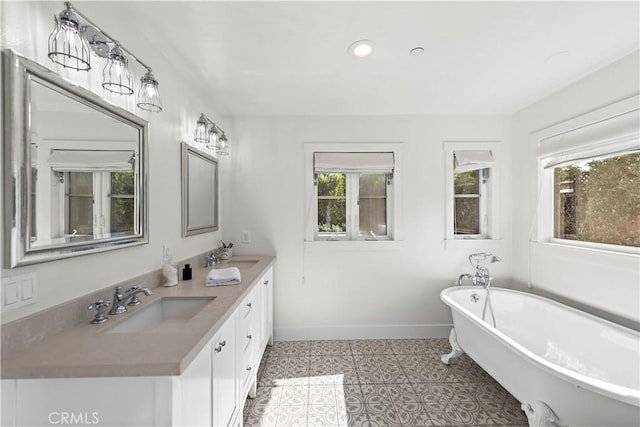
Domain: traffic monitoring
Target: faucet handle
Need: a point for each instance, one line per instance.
(99, 306)
(134, 299)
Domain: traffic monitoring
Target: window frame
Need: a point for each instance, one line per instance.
(352, 220)
(490, 221)
(483, 196)
(101, 197)
(394, 227)
(543, 228)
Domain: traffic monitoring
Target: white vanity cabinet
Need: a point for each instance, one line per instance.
(211, 391)
(249, 328)
(224, 361)
(206, 394)
(266, 282)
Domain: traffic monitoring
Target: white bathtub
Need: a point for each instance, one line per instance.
(586, 369)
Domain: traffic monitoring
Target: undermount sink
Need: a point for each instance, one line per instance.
(243, 264)
(167, 314)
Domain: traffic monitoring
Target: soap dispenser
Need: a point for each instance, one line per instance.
(186, 272)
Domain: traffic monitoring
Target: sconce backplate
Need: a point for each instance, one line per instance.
(98, 42)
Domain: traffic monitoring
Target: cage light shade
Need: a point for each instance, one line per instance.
(223, 145)
(148, 95)
(116, 75)
(213, 142)
(201, 134)
(67, 45)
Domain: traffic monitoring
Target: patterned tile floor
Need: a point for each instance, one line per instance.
(375, 383)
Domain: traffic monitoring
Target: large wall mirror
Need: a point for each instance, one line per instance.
(199, 192)
(75, 168)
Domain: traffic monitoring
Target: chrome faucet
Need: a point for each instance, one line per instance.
(119, 298)
(464, 276)
(212, 259)
(482, 277)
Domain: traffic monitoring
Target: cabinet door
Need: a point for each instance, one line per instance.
(195, 388)
(224, 369)
(267, 307)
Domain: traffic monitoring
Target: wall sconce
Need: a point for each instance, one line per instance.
(210, 134)
(71, 44)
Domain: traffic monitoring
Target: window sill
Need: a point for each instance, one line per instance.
(473, 243)
(361, 245)
(593, 247)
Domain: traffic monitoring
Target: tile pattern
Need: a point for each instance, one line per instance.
(375, 383)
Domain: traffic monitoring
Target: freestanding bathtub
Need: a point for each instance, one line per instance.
(566, 367)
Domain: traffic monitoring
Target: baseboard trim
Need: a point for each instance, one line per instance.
(361, 332)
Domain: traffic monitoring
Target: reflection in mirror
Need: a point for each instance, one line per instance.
(199, 192)
(82, 163)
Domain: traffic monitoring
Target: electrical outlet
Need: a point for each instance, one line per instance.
(166, 252)
(245, 237)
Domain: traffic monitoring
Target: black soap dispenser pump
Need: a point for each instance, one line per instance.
(186, 272)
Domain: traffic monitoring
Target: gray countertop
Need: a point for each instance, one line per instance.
(86, 350)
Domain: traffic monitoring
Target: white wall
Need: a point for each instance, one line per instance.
(25, 27)
(339, 293)
(605, 283)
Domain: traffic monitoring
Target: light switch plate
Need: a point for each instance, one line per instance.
(19, 291)
(10, 289)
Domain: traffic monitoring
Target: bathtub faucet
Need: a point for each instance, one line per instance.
(464, 276)
(482, 277)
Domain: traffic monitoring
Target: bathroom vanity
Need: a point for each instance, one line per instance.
(187, 356)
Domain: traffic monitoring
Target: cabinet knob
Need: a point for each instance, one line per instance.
(249, 304)
(248, 368)
(249, 336)
(218, 349)
(266, 282)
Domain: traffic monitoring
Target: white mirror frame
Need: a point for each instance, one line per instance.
(18, 72)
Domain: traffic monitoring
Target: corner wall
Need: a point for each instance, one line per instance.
(604, 283)
(324, 293)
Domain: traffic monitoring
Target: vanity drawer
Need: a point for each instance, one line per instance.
(246, 367)
(246, 311)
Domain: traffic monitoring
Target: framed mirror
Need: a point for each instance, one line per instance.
(75, 168)
(199, 192)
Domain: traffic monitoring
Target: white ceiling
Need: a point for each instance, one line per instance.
(290, 58)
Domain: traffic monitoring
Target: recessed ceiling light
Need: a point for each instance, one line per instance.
(416, 51)
(361, 48)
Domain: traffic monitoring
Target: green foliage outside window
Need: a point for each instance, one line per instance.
(332, 198)
(122, 202)
(599, 201)
(467, 202)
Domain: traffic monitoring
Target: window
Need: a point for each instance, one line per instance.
(598, 200)
(80, 203)
(353, 196)
(591, 183)
(94, 197)
(471, 211)
(470, 194)
(122, 207)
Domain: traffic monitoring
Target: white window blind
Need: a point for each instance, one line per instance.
(471, 160)
(353, 162)
(91, 161)
(604, 138)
